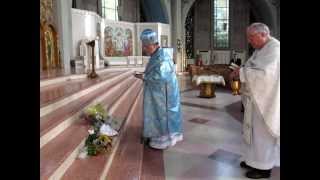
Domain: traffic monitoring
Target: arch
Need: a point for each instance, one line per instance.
(186, 8)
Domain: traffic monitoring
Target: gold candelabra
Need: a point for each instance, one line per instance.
(235, 86)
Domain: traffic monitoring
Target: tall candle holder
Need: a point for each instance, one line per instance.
(93, 73)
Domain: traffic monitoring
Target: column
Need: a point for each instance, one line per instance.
(176, 33)
(65, 32)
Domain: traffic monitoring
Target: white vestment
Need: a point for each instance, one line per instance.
(260, 87)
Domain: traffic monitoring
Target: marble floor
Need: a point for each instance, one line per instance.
(53, 73)
(56, 91)
(212, 147)
(60, 72)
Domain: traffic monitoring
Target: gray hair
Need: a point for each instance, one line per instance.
(259, 28)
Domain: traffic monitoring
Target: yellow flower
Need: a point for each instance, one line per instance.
(105, 139)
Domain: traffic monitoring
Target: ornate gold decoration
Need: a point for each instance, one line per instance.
(46, 11)
(49, 47)
(207, 90)
(48, 36)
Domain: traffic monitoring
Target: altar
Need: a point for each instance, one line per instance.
(207, 84)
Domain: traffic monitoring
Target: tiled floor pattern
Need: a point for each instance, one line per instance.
(212, 147)
(199, 120)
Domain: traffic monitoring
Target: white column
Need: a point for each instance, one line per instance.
(176, 30)
(65, 31)
(96, 54)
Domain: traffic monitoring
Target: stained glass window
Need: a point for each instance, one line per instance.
(220, 16)
(110, 9)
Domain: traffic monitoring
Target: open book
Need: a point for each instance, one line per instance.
(233, 66)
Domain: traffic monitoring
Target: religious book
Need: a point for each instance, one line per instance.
(233, 66)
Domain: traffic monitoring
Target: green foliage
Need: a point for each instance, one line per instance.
(90, 139)
(96, 142)
(97, 112)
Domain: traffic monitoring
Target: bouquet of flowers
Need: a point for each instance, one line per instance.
(96, 115)
(100, 135)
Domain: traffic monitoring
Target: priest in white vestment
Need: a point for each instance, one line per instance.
(260, 87)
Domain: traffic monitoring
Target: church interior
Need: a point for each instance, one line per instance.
(89, 53)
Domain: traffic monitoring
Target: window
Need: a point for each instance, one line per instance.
(110, 9)
(220, 13)
(189, 33)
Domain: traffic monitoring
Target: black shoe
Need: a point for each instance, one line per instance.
(244, 165)
(258, 174)
(145, 141)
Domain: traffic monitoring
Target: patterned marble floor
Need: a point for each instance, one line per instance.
(212, 147)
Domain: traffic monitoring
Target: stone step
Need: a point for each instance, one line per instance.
(153, 164)
(97, 167)
(67, 77)
(57, 155)
(62, 102)
(53, 93)
(127, 161)
(59, 152)
(54, 123)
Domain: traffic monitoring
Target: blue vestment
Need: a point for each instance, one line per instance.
(161, 102)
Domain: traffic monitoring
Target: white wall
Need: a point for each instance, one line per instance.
(164, 29)
(161, 29)
(84, 26)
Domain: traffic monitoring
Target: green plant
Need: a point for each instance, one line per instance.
(97, 143)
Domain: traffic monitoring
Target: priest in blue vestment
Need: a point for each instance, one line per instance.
(162, 122)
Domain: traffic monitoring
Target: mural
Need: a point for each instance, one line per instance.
(48, 39)
(118, 41)
(49, 47)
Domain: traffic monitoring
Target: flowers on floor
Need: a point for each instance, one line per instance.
(100, 135)
(96, 116)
